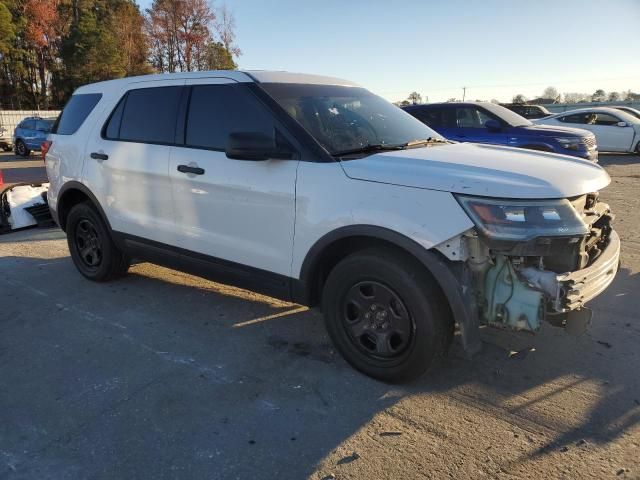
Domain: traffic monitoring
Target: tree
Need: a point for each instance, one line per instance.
(187, 35)
(452, 99)
(613, 96)
(496, 101)
(599, 96)
(217, 57)
(414, 97)
(519, 98)
(7, 30)
(551, 92)
(572, 97)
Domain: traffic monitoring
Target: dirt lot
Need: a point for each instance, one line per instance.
(164, 375)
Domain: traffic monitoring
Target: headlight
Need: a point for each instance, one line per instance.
(570, 143)
(523, 219)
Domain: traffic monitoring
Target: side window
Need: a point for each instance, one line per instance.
(471, 117)
(605, 119)
(215, 111)
(576, 118)
(112, 129)
(75, 112)
(149, 115)
(429, 116)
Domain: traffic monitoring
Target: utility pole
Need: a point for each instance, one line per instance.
(464, 92)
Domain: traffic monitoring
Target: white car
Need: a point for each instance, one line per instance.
(615, 130)
(314, 190)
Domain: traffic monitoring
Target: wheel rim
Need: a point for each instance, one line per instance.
(376, 320)
(21, 148)
(88, 243)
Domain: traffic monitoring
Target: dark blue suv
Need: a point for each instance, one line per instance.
(482, 122)
(30, 133)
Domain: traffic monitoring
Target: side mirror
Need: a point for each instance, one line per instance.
(493, 125)
(255, 146)
(622, 124)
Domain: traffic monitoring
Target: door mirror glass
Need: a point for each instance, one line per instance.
(493, 125)
(254, 146)
(622, 124)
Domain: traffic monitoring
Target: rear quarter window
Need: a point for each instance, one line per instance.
(75, 113)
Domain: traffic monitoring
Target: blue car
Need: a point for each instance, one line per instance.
(483, 122)
(30, 133)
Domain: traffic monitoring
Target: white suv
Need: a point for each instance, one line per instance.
(312, 189)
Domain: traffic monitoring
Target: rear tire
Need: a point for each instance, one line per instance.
(92, 249)
(638, 148)
(386, 315)
(21, 149)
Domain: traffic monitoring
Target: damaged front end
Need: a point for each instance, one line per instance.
(529, 261)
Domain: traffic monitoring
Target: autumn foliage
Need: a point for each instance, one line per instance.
(50, 47)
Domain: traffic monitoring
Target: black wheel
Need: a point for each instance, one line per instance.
(7, 148)
(92, 249)
(386, 315)
(21, 149)
(638, 148)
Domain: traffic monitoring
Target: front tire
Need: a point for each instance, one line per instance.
(92, 249)
(21, 149)
(386, 315)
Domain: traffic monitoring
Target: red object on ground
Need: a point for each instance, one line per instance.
(1, 178)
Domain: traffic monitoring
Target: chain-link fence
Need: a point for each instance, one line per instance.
(10, 118)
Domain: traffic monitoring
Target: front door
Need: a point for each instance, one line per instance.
(235, 210)
(609, 135)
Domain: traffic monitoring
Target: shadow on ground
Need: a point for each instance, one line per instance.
(163, 375)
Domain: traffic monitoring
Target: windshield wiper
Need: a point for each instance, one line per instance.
(370, 148)
(426, 141)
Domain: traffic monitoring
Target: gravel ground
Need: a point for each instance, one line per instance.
(165, 375)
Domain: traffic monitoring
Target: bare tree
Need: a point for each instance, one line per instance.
(225, 26)
(551, 92)
(519, 98)
(614, 96)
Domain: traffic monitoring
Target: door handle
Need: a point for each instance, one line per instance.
(99, 156)
(190, 169)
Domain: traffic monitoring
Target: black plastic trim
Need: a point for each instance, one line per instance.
(438, 266)
(205, 266)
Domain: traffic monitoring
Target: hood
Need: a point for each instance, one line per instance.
(554, 131)
(485, 170)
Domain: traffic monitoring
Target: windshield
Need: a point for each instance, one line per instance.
(345, 119)
(512, 118)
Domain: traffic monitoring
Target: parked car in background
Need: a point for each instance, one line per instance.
(632, 111)
(30, 133)
(615, 130)
(315, 190)
(6, 142)
(527, 111)
(483, 122)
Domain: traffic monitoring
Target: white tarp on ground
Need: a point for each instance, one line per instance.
(21, 197)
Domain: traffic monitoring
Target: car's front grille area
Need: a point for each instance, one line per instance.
(590, 142)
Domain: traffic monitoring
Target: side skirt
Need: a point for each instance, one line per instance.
(205, 266)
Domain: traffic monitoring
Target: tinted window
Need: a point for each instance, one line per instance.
(215, 111)
(149, 115)
(604, 119)
(472, 117)
(577, 118)
(28, 124)
(43, 125)
(75, 113)
(112, 131)
(429, 116)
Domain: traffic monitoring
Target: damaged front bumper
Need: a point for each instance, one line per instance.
(521, 298)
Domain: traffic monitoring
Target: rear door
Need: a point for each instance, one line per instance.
(127, 160)
(235, 210)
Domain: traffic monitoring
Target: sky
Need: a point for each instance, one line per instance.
(495, 48)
